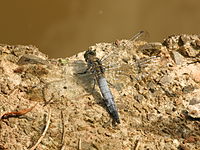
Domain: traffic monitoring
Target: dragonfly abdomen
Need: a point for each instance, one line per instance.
(109, 99)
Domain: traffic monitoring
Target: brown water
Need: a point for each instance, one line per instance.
(64, 27)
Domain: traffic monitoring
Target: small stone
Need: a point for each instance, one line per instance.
(197, 43)
(196, 74)
(165, 80)
(183, 39)
(188, 89)
(18, 51)
(194, 101)
(152, 49)
(139, 98)
(194, 110)
(31, 59)
(168, 140)
(188, 51)
(176, 142)
(100, 131)
(178, 58)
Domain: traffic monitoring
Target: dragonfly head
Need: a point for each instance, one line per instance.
(89, 53)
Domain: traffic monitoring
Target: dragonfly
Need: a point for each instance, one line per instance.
(96, 67)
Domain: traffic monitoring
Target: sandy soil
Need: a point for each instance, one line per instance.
(156, 88)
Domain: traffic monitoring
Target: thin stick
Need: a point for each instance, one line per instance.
(63, 131)
(63, 147)
(45, 130)
(137, 145)
(79, 144)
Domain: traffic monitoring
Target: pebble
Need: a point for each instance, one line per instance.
(176, 142)
(178, 58)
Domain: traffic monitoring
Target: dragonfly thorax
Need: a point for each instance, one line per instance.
(95, 66)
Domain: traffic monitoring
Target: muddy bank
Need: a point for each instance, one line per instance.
(156, 88)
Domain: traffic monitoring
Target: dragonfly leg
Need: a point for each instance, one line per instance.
(114, 87)
(111, 84)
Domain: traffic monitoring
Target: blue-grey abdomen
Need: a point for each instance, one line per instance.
(109, 99)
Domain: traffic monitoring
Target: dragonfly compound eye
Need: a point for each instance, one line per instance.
(89, 53)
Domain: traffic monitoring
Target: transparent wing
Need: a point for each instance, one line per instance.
(140, 35)
(105, 51)
(129, 74)
(134, 64)
(125, 62)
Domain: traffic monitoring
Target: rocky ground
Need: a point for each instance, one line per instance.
(156, 88)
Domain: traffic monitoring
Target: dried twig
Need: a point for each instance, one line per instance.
(63, 147)
(17, 113)
(137, 145)
(63, 131)
(45, 130)
(79, 144)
